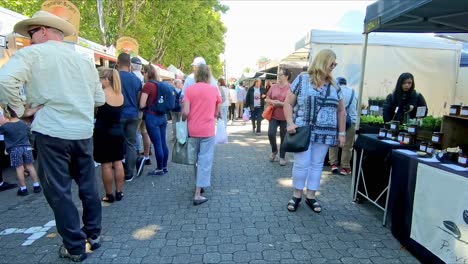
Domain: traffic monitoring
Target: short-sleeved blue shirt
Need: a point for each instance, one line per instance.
(131, 86)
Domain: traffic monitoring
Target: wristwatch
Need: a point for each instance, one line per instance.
(342, 134)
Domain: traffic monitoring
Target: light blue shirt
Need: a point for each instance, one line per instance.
(63, 81)
(352, 109)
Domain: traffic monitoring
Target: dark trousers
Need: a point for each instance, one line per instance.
(232, 111)
(156, 126)
(129, 127)
(256, 117)
(272, 128)
(59, 162)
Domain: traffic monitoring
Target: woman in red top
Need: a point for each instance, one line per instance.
(155, 123)
(276, 96)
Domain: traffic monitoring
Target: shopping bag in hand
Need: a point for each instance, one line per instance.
(221, 135)
(246, 115)
(181, 132)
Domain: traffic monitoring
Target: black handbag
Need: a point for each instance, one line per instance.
(299, 141)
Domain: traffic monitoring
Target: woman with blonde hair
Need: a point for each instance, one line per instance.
(108, 135)
(314, 101)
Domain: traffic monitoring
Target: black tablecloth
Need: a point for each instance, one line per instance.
(376, 163)
(402, 188)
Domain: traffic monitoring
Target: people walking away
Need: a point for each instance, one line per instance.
(108, 136)
(16, 134)
(156, 123)
(275, 97)
(62, 88)
(232, 103)
(314, 101)
(143, 142)
(241, 94)
(350, 102)
(255, 100)
(201, 106)
(405, 98)
(131, 88)
(176, 114)
(224, 91)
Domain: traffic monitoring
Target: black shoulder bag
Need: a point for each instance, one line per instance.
(300, 141)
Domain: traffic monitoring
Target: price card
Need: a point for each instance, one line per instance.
(461, 160)
(389, 134)
(374, 108)
(382, 134)
(364, 111)
(393, 126)
(400, 138)
(435, 139)
(411, 129)
(422, 148)
(429, 150)
(421, 111)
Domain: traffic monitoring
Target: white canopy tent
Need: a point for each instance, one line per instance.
(165, 74)
(433, 61)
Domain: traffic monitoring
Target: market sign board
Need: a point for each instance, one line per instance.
(66, 10)
(440, 213)
(127, 45)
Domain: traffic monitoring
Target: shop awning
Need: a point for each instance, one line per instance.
(417, 16)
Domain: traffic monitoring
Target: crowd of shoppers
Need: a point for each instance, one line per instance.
(69, 140)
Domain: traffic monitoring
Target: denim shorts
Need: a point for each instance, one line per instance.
(20, 156)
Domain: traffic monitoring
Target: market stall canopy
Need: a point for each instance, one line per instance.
(179, 74)
(329, 37)
(417, 16)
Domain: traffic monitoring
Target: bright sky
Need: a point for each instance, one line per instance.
(272, 28)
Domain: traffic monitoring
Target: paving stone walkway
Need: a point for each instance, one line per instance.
(245, 220)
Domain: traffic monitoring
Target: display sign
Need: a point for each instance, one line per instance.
(374, 108)
(440, 215)
(67, 11)
(127, 45)
(421, 111)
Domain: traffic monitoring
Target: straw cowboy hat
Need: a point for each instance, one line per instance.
(43, 18)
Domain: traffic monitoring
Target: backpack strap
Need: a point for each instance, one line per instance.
(350, 100)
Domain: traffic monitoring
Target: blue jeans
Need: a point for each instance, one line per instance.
(156, 126)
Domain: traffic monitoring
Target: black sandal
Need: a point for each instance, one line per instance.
(314, 205)
(118, 196)
(109, 198)
(293, 204)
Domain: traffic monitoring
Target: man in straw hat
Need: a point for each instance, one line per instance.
(62, 89)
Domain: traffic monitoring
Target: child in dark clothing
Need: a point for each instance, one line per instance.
(17, 145)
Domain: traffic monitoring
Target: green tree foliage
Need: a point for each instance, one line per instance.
(168, 32)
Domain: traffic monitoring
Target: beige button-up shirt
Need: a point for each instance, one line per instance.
(63, 81)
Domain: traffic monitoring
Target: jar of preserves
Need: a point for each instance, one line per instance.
(423, 146)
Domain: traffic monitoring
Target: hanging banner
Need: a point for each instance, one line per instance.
(66, 10)
(127, 45)
(440, 214)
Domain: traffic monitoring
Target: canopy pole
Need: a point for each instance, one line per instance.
(359, 109)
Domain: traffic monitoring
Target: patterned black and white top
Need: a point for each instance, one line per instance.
(322, 116)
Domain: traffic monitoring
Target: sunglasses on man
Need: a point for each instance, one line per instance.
(31, 32)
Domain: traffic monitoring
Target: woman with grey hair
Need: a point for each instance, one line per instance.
(201, 107)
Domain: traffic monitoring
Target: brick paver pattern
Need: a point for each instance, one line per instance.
(245, 220)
